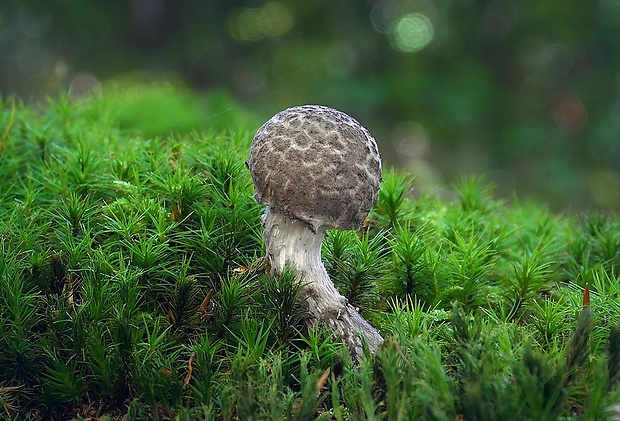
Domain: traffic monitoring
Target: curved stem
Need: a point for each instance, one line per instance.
(291, 243)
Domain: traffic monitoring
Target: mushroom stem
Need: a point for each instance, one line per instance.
(291, 243)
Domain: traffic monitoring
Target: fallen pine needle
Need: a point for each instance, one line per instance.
(188, 377)
(321, 382)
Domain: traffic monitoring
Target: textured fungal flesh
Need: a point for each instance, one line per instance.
(317, 165)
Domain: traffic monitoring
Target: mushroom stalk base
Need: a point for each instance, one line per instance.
(290, 243)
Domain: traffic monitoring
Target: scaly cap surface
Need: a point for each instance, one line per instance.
(318, 165)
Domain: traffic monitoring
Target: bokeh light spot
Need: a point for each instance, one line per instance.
(250, 24)
(383, 14)
(274, 19)
(249, 74)
(412, 32)
(278, 19)
(84, 86)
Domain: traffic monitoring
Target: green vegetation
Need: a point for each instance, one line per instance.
(131, 284)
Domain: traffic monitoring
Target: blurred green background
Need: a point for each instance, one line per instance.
(524, 92)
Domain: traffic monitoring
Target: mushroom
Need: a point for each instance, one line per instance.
(316, 168)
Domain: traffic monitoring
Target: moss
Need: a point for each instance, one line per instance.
(131, 284)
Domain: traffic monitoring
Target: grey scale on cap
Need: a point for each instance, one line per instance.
(317, 165)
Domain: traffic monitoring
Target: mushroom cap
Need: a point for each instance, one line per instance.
(318, 165)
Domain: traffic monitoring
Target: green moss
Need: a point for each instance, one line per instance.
(131, 280)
